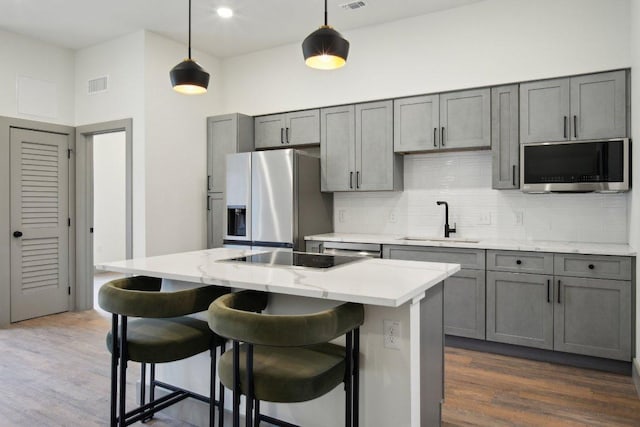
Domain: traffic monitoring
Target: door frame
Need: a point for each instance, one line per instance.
(6, 123)
(84, 205)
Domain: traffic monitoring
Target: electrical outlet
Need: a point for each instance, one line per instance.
(518, 217)
(393, 217)
(391, 332)
(341, 215)
(484, 218)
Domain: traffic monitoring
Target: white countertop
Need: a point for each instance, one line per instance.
(368, 281)
(514, 245)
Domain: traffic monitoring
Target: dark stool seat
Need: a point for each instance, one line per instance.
(166, 340)
(286, 358)
(149, 326)
(282, 374)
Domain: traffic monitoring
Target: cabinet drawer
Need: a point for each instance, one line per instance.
(520, 262)
(593, 266)
(467, 258)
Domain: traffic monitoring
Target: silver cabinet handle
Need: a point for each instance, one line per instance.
(209, 182)
(575, 126)
(435, 137)
(358, 179)
(286, 134)
(281, 135)
(208, 203)
(442, 137)
(559, 287)
(350, 179)
(565, 126)
(513, 176)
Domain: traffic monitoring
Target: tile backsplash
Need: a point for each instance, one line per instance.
(463, 179)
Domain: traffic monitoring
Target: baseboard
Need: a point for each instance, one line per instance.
(577, 360)
(635, 374)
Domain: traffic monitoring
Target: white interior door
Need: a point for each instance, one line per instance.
(39, 223)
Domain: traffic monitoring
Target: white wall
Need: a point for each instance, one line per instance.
(121, 59)
(175, 151)
(491, 42)
(169, 134)
(634, 211)
(109, 200)
(43, 63)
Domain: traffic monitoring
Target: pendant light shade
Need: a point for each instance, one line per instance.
(325, 48)
(188, 77)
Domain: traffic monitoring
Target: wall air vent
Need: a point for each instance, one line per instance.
(353, 5)
(98, 85)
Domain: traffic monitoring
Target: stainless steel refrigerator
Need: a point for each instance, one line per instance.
(274, 199)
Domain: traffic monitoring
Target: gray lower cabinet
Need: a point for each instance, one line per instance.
(452, 120)
(520, 309)
(574, 108)
(593, 317)
(296, 128)
(505, 140)
(313, 246)
(356, 149)
(464, 292)
(576, 304)
(215, 220)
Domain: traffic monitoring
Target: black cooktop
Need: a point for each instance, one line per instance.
(297, 259)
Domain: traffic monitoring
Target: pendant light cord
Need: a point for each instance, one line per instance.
(190, 29)
(325, 13)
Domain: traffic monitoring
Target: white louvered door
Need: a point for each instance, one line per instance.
(39, 211)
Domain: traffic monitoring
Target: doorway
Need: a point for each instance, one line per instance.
(105, 205)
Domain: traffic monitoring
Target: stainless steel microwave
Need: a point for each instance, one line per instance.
(575, 166)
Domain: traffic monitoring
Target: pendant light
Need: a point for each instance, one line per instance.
(325, 48)
(188, 77)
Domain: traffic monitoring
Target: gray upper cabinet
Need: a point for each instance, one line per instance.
(416, 123)
(574, 108)
(465, 119)
(593, 317)
(599, 106)
(338, 148)
(226, 134)
(357, 148)
(288, 129)
(453, 120)
(505, 139)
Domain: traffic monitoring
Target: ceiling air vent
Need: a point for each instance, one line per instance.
(98, 85)
(353, 5)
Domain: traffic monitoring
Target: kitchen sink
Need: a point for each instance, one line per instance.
(440, 239)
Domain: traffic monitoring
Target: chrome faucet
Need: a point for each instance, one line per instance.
(447, 229)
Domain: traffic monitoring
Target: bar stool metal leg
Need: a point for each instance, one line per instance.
(348, 380)
(356, 377)
(123, 371)
(236, 384)
(114, 370)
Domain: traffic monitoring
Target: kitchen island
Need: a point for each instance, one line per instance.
(401, 379)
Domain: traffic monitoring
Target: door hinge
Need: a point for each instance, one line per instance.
(69, 290)
(69, 151)
(69, 222)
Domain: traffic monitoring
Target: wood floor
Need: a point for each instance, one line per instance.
(54, 371)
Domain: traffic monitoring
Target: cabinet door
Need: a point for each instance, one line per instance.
(593, 317)
(215, 220)
(337, 148)
(374, 146)
(544, 111)
(302, 128)
(520, 309)
(416, 122)
(464, 304)
(505, 139)
(465, 119)
(269, 131)
(599, 105)
(222, 139)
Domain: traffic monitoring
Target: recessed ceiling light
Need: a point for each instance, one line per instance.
(225, 12)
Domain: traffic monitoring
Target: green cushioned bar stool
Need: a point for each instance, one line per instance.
(160, 332)
(286, 358)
